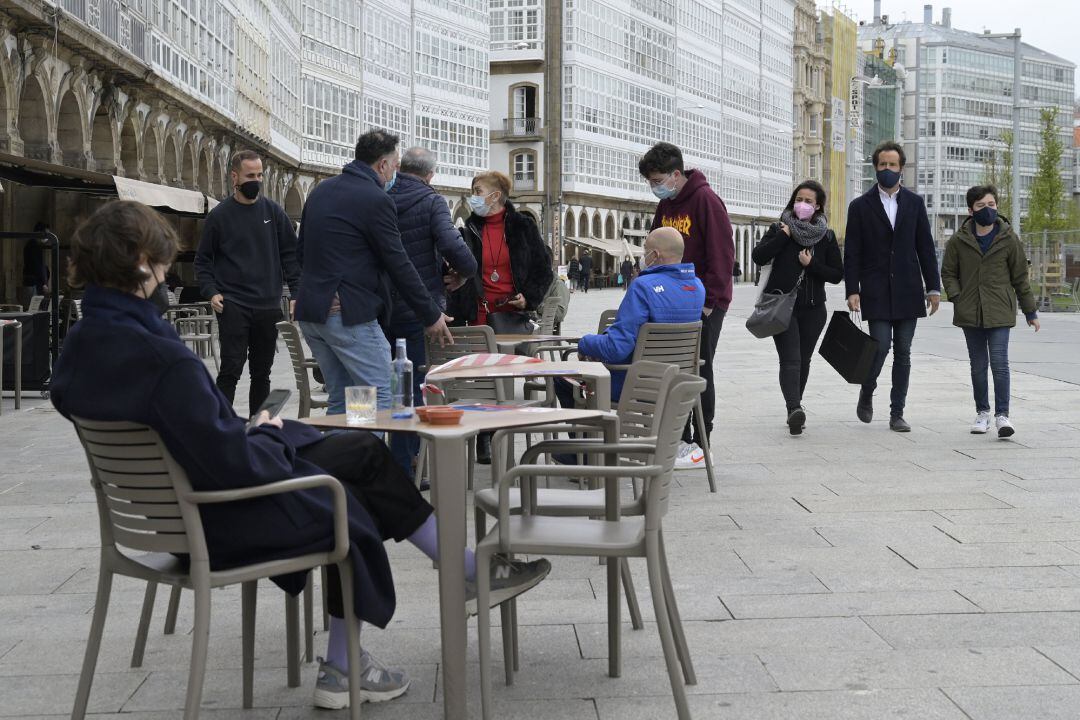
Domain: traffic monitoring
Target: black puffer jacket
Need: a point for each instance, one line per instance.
(826, 267)
(429, 237)
(529, 264)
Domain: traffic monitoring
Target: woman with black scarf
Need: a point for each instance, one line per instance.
(804, 252)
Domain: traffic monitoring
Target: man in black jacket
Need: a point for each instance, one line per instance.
(891, 274)
(247, 249)
(585, 273)
(349, 240)
(431, 242)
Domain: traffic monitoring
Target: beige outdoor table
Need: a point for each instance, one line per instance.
(448, 494)
(594, 374)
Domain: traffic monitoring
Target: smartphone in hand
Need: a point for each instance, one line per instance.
(274, 404)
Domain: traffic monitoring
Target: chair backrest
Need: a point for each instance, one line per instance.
(547, 317)
(642, 401)
(35, 303)
(290, 333)
(607, 319)
(136, 483)
(677, 344)
(681, 396)
(468, 341)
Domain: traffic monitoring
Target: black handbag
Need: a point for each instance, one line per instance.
(510, 323)
(772, 312)
(848, 348)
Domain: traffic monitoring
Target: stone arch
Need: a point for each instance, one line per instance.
(102, 148)
(170, 170)
(151, 162)
(69, 130)
(189, 165)
(129, 148)
(294, 203)
(596, 224)
(34, 121)
(626, 222)
(583, 224)
(609, 227)
(568, 224)
(531, 214)
(8, 103)
(461, 214)
(202, 173)
(637, 223)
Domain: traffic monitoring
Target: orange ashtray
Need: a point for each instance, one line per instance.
(423, 410)
(444, 416)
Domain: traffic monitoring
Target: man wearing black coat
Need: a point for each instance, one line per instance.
(585, 273)
(432, 242)
(891, 274)
(349, 240)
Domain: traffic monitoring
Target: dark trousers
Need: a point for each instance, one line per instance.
(898, 334)
(988, 348)
(406, 446)
(583, 280)
(710, 335)
(251, 335)
(795, 346)
(365, 467)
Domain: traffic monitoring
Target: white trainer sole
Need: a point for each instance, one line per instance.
(339, 701)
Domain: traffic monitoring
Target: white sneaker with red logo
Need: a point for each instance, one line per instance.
(689, 456)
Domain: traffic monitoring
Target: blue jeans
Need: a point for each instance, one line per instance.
(406, 446)
(989, 347)
(898, 334)
(350, 355)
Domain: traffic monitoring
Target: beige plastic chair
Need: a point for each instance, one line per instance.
(200, 332)
(680, 345)
(547, 318)
(626, 537)
(146, 504)
(607, 319)
(302, 366)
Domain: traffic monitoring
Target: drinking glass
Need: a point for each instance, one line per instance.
(360, 405)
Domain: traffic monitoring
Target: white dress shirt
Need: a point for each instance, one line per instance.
(889, 202)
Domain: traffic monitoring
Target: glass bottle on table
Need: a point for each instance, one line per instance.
(401, 383)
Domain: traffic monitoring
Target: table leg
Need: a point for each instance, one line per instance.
(614, 567)
(18, 365)
(601, 386)
(448, 474)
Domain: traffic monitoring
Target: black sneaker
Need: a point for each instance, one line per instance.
(509, 578)
(796, 421)
(899, 424)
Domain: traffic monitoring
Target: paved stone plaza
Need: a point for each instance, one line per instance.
(847, 573)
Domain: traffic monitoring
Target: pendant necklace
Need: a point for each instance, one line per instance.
(495, 263)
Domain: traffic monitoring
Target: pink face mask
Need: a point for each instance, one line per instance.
(804, 210)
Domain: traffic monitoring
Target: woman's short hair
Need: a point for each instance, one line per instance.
(107, 248)
(496, 179)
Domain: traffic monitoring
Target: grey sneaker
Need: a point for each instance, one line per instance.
(509, 578)
(899, 424)
(377, 683)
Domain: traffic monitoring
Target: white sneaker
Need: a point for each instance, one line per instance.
(689, 457)
(981, 425)
(1004, 427)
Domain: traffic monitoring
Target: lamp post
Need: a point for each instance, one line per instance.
(1018, 64)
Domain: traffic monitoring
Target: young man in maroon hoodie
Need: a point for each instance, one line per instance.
(689, 204)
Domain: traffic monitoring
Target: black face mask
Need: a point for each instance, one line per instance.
(250, 189)
(160, 298)
(888, 178)
(986, 216)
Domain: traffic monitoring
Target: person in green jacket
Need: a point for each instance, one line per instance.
(984, 273)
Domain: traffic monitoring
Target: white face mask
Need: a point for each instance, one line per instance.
(645, 259)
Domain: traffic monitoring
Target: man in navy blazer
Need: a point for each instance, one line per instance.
(891, 274)
(349, 244)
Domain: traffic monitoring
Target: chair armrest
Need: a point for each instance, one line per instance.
(585, 447)
(617, 367)
(565, 350)
(337, 490)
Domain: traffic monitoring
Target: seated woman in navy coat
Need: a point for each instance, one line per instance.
(123, 362)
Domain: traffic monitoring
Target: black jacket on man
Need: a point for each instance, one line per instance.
(827, 266)
(529, 264)
(429, 237)
(888, 268)
(348, 238)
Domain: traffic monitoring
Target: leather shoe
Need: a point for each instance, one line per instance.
(796, 421)
(865, 409)
(899, 424)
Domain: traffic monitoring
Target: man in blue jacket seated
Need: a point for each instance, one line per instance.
(666, 291)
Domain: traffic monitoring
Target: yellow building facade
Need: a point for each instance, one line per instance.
(841, 47)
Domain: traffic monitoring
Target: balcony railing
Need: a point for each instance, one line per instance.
(524, 182)
(522, 126)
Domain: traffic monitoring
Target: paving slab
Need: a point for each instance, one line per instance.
(977, 630)
(1008, 703)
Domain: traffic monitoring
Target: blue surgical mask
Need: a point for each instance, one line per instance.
(663, 192)
(986, 216)
(390, 183)
(479, 205)
(888, 178)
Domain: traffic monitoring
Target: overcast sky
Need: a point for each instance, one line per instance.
(1051, 25)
